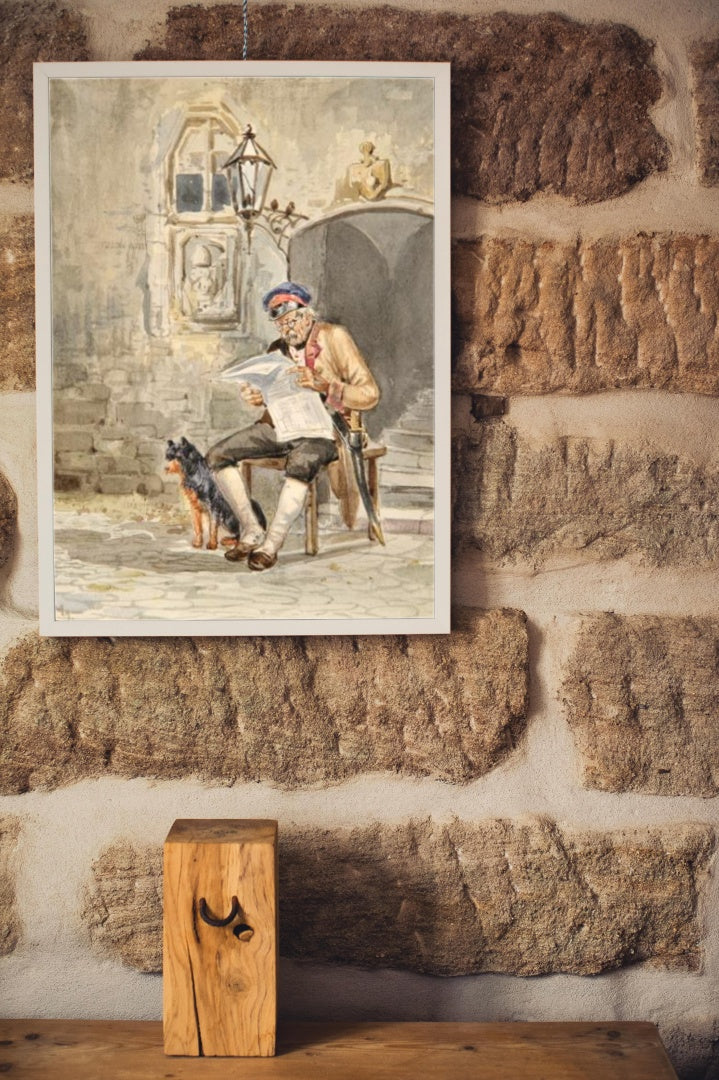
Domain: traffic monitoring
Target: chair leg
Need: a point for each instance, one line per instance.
(246, 472)
(312, 540)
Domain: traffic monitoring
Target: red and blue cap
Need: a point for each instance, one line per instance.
(287, 296)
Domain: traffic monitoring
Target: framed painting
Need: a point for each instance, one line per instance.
(243, 347)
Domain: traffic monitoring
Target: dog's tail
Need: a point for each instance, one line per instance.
(234, 525)
(259, 513)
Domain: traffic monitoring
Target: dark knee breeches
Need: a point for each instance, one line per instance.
(305, 457)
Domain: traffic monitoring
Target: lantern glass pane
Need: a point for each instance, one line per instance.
(264, 172)
(247, 186)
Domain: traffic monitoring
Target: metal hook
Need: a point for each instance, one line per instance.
(206, 917)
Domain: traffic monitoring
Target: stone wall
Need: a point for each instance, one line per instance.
(533, 795)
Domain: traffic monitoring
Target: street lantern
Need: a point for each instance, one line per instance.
(249, 170)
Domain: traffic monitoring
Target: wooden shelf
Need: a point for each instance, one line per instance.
(119, 1050)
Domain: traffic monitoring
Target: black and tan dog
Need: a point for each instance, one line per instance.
(203, 495)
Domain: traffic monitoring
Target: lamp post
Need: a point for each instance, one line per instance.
(249, 170)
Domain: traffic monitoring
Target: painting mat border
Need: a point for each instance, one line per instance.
(50, 625)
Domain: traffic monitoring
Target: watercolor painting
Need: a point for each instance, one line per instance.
(243, 348)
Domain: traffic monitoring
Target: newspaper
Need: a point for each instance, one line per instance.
(297, 412)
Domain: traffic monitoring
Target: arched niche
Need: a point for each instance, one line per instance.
(371, 269)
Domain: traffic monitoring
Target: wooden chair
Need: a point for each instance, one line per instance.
(371, 453)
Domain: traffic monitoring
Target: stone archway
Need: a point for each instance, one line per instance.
(371, 268)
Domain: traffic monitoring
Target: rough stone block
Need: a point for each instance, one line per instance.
(123, 905)
(110, 484)
(9, 918)
(68, 440)
(605, 499)
(705, 61)
(117, 378)
(540, 102)
(143, 420)
(87, 391)
(67, 373)
(122, 464)
(522, 897)
(17, 296)
(153, 462)
(534, 318)
(68, 411)
(8, 519)
(642, 698)
(151, 449)
(125, 447)
(150, 485)
(75, 460)
(692, 1048)
(289, 710)
(40, 32)
(67, 482)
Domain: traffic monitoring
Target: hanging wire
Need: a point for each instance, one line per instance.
(244, 29)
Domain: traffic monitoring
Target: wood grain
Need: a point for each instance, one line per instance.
(219, 987)
(86, 1050)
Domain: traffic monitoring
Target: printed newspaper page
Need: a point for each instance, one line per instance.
(297, 412)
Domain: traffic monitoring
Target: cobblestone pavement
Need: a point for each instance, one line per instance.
(109, 569)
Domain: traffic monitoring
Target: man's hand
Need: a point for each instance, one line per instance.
(251, 394)
(311, 380)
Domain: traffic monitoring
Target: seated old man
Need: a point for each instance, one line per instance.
(327, 361)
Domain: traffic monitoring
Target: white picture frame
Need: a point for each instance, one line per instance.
(121, 347)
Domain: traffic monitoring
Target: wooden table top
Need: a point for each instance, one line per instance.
(123, 1050)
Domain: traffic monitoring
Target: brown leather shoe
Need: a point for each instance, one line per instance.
(260, 560)
(239, 552)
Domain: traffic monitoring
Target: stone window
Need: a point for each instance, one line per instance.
(196, 271)
(199, 185)
(201, 277)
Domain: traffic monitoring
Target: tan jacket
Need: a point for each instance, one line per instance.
(334, 355)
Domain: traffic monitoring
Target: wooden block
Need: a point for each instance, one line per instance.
(220, 982)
